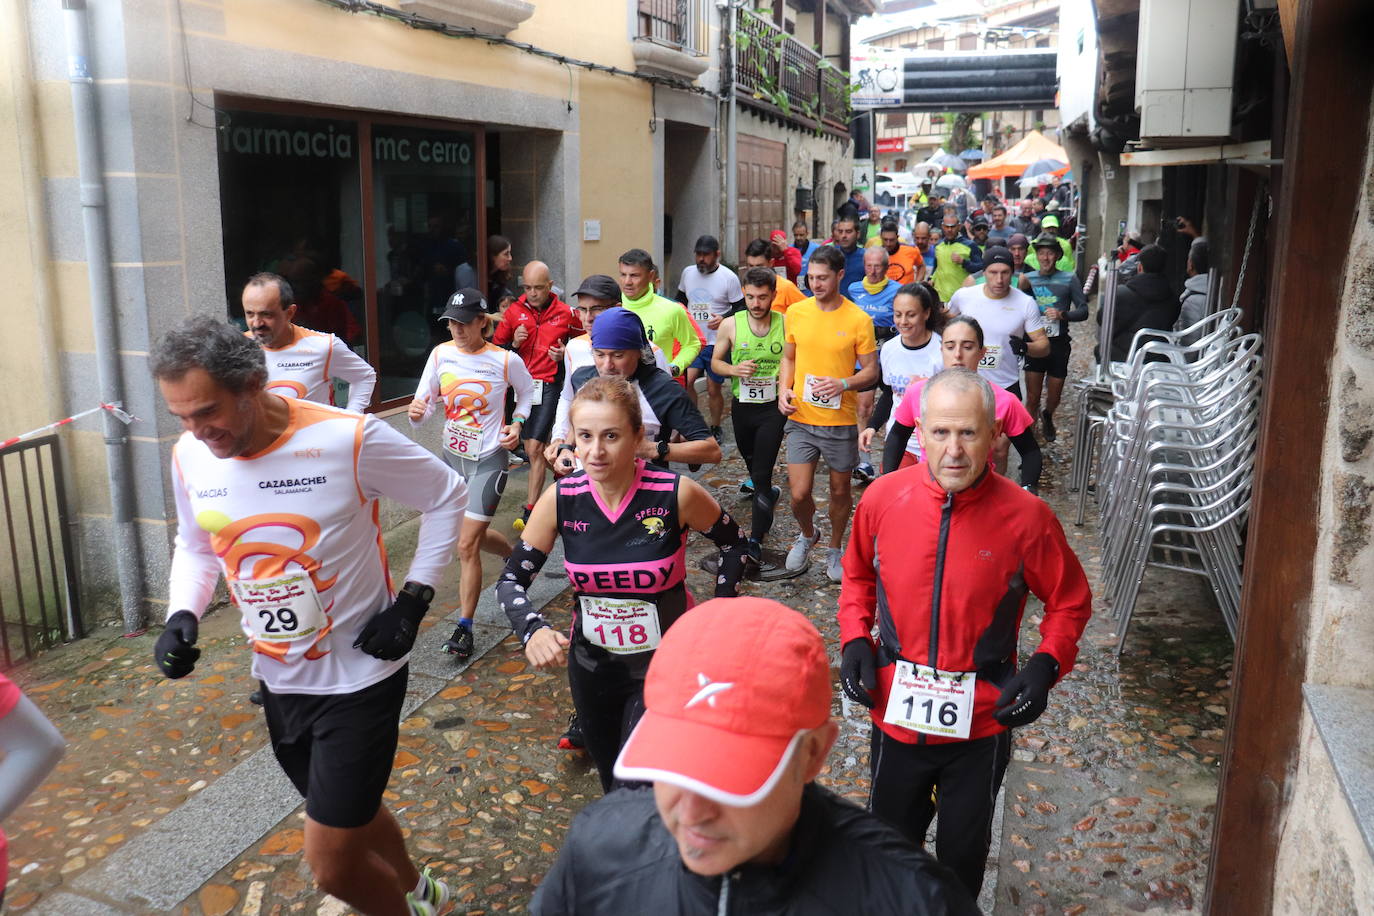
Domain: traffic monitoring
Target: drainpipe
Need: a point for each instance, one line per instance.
(731, 241)
(103, 322)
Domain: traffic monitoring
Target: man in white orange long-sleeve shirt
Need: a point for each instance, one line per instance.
(301, 363)
(280, 495)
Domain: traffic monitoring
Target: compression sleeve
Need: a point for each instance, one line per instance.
(1079, 298)
(512, 589)
(352, 368)
(391, 465)
(1031, 457)
(894, 447)
(726, 535)
(195, 568)
(882, 409)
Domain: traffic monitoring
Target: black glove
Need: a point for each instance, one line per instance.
(1028, 692)
(858, 676)
(1018, 345)
(175, 652)
(391, 634)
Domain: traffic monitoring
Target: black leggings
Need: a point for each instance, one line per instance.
(758, 433)
(608, 701)
(967, 774)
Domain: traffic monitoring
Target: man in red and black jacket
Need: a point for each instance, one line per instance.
(942, 556)
(536, 326)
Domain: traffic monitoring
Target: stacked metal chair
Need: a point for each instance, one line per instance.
(1175, 430)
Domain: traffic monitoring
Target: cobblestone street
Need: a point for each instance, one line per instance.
(167, 799)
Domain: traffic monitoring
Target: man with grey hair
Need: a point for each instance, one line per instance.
(301, 363)
(280, 496)
(942, 558)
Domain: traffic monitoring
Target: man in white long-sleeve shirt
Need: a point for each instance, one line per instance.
(280, 495)
(301, 363)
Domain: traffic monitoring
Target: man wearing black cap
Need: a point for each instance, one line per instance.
(934, 209)
(1059, 296)
(1010, 319)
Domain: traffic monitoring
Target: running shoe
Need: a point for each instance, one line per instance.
(1047, 425)
(833, 558)
(255, 697)
(519, 454)
(419, 907)
(753, 552)
(437, 893)
(796, 557)
(746, 486)
(718, 433)
(864, 472)
(777, 494)
(524, 519)
(460, 643)
(571, 740)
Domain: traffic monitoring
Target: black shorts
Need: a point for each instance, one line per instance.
(540, 422)
(338, 749)
(1056, 365)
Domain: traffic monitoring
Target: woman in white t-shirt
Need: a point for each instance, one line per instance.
(912, 355)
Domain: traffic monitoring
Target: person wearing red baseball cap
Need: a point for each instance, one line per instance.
(733, 740)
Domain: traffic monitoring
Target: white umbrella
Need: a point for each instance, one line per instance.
(951, 181)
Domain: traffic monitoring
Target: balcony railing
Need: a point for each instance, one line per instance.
(679, 24)
(779, 71)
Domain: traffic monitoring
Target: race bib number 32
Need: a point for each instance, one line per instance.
(928, 700)
(623, 626)
(282, 609)
(991, 358)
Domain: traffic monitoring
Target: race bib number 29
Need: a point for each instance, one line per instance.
(928, 700)
(281, 609)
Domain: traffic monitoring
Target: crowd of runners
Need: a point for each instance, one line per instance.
(708, 723)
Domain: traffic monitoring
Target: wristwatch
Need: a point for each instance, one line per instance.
(662, 450)
(674, 370)
(419, 591)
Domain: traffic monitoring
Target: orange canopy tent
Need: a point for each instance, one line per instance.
(1013, 162)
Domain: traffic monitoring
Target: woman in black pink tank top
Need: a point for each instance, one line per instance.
(624, 528)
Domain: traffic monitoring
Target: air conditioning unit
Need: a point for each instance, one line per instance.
(1185, 68)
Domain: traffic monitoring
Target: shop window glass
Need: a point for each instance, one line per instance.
(291, 204)
(424, 222)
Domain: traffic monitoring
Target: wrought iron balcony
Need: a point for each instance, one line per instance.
(777, 72)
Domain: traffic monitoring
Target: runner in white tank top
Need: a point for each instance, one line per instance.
(301, 363)
(912, 355)
(469, 378)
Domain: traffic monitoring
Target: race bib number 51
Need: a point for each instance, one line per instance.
(282, 609)
(623, 626)
(758, 390)
(928, 700)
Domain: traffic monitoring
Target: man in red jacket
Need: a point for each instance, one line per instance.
(536, 326)
(783, 255)
(942, 555)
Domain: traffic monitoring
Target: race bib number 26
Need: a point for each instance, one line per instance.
(461, 440)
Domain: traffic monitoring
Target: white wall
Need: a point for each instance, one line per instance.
(1077, 66)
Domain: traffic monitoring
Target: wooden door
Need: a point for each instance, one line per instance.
(761, 182)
